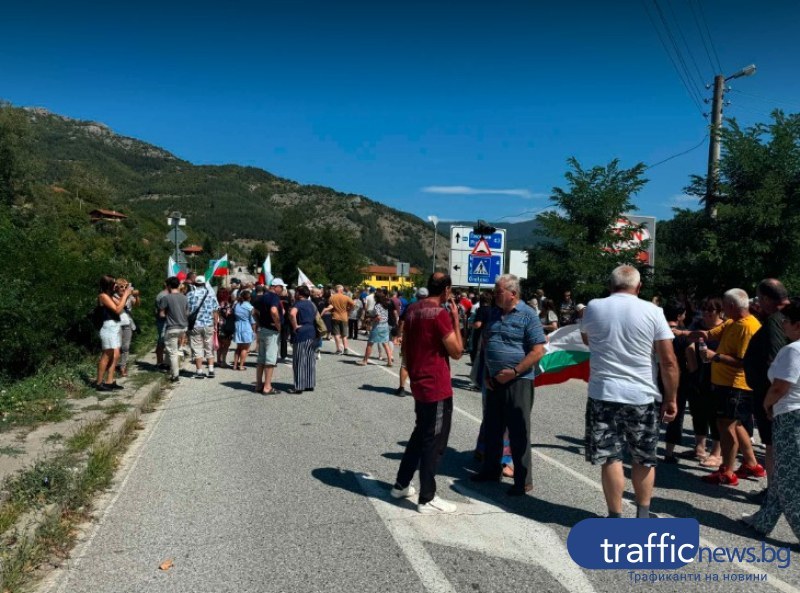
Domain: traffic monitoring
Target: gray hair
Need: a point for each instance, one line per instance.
(625, 277)
(339, 288)
(737, 297)
(510, 283)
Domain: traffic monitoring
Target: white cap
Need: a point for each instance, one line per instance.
(277, 282)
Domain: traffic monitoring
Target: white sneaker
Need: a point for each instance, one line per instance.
(406, 492)
(437, 506)
(319, 355)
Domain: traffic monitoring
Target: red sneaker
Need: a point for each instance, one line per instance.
(751, 471)
(721, 476)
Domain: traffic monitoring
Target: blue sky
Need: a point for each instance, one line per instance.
(458, 109)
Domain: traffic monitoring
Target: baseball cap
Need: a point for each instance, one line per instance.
(422, 293)
(580, 307)
(277, 282)
(200, 280)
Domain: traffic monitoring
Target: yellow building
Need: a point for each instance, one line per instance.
(386, 277)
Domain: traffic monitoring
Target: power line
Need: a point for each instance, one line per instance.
(678, 53)
(767, 99)
(710, 39)
(674, 156)
(672, 60)
(702, 38)
(686, 44)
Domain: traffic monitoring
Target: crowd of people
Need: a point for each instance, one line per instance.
(732, 362)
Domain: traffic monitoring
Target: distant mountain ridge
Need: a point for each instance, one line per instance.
(226, 202)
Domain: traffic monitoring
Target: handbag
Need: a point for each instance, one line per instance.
(320, 326)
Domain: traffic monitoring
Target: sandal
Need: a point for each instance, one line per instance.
(390, 363)
(711, 461)
(361, 363)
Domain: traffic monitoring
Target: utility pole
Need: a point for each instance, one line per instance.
(434, 220)
(712, 180)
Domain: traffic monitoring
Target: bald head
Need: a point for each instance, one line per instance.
(772, 295)
(438, 283)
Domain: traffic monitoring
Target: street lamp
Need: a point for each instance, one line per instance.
(716, 129)
(435, 221)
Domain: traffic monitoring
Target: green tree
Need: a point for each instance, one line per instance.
(756, 232)
(332, 254)
(584, 238)
(15, 163)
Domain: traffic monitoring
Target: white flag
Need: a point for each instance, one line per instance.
(267, 267)
(303, 279)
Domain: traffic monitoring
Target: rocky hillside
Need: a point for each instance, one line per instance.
(227, 203)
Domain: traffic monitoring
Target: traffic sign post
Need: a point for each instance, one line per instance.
(176, 235)
(468, 248)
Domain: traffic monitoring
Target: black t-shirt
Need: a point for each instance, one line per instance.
(761, 351)
(264, 305)
(392, 310)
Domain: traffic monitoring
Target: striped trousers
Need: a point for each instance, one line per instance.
(426, 446)
(304, 364)
(783, 496)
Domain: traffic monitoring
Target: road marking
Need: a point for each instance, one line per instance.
(479, 526)
(60, 578)
(774, 581)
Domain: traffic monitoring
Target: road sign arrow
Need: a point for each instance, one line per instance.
(456, 267)
(458, 237)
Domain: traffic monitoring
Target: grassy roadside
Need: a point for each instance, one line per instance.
(44, 397)
(44, 504)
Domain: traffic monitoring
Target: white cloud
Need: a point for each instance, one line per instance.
(464, 190)
(684, 201)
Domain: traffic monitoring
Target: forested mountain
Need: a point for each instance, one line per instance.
(224, 203)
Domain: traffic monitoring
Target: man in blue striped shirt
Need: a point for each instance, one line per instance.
(513, 345)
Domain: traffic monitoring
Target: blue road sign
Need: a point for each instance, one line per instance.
(484, 270)
(495, 240)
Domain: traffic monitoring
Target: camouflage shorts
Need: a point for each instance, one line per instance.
(610, 425)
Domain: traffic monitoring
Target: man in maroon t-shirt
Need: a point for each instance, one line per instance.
(429, 341)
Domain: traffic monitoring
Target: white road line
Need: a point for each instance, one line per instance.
(431, 577)
(59, 580)
(774, 581)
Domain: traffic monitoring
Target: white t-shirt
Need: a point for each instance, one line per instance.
(622, 329)
(786, 367)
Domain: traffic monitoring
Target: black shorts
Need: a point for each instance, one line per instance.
(764, 424)
(609, 426)
(733, 404)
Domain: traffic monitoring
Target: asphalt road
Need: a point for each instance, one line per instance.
(289, 493)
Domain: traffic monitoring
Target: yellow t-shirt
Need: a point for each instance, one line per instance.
(733, 336)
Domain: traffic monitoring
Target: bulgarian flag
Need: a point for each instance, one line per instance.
(173, 269)
(566, 357)
(220, 267)
(265, 277)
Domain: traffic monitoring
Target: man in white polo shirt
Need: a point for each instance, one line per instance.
(621, 331)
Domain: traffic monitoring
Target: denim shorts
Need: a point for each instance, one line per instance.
(110, 335)
(268, 342)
